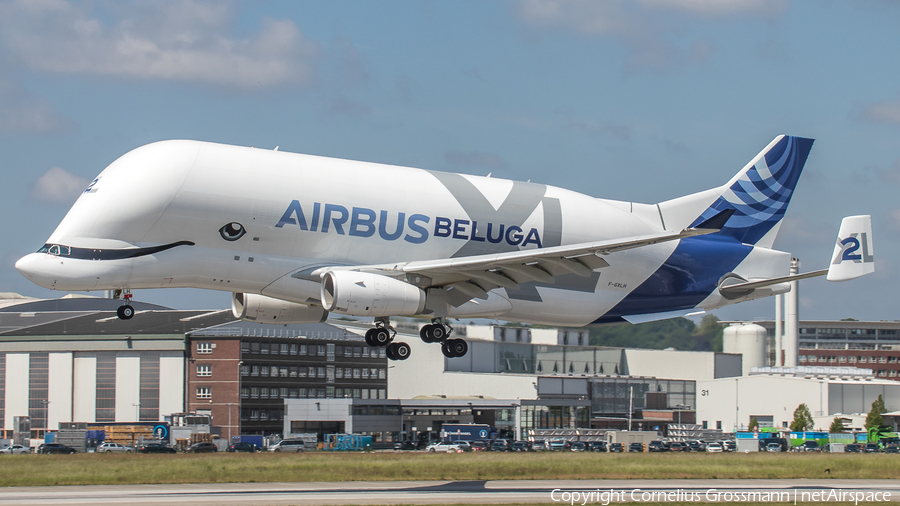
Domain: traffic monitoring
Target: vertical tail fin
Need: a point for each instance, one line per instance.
(761, 191)
(853, 255)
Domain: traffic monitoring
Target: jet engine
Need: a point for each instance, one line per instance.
(366, 294)
(259, 308)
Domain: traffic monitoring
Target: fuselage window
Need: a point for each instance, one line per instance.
(54, 250)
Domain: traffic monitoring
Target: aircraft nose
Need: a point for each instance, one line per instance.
(27, 265)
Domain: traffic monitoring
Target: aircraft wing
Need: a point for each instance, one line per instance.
(474, 276)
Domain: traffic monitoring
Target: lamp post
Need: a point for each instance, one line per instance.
(137, 411)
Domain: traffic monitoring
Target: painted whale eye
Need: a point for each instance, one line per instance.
(232, 231)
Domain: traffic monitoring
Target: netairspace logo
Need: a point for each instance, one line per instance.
(605, 497)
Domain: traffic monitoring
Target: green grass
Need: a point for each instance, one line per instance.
(92, 469)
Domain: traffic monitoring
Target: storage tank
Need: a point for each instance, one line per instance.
(749, 340)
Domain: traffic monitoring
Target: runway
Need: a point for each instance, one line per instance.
(471, 492)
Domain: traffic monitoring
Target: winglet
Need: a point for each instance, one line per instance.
(853, 253)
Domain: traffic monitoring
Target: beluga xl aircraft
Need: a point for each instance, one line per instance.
(296, 237)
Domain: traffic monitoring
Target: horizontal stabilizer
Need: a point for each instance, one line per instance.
(653, 317)
(853, 253)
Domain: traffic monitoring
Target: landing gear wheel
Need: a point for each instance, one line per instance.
(369, 340)
(398, 351)
(433, 333)
(125, 312)
(459, 347)
(380, 336)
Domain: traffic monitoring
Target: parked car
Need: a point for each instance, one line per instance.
(405, 445)
(657, 446)
(479, 446)
(558, 444)
(696, 446)
(871, 448)
(464, 445)
(109, 447)
(500, 445)
(851, 448)
(892, 448)
(539, 445)
(48, 448)
(636, 448)
(444, 447)
(521, 446)
(714, 448)
(156, 448)
(617, 448)
(596, 446)
(288, 446)
(242, 447)
(773, 447)
(15, 450)
(729, 446)
(202, 447)
(810, 446)
(678, 446)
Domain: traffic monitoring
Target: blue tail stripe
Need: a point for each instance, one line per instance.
(761, 195)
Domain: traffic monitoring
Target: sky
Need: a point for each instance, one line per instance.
(641, 100)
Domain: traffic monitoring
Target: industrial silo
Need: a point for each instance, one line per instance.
(749, 340)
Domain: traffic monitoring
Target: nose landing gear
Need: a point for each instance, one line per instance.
(125, 311)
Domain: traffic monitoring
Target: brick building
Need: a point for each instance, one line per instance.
(241, 373)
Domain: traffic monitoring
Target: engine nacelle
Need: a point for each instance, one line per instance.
(259, 308)
(365, 294)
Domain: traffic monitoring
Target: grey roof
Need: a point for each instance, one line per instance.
(100, 323)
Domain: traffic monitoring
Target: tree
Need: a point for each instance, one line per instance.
(802, 419)
(754, 424)
(837, 425)
(874, 418)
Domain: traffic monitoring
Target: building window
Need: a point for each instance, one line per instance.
(348, 351)
(382, 374)
(284, 372)
(704, 424)
(348, 373)
(254, 370)
(356, 374)
(254, 392)
(245, 347)
(339, 373)
(382, 353)
(365, 352)
(263, 370)
(852, 359)
(204, 370)
(245, 370)
(301, 393)
(38, 389)
(293, 349)
(303, 349)
(264, 348)
(245, 393)
(365, 374)
(718, 424)
(320, 372)
(357, 351)
(284, 393)
(330, 352)
(284, 349)
(254, 347)
(329, 374)
(204, 348)
(320, 350)
(293, 370)
(203, 393)
(301, 372)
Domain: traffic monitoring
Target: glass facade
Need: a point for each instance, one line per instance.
(614, 395)
(524, 358)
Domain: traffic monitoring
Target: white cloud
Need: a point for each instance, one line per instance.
(643, 26)
(21, 111)
(187, 40)
(886, 111)
(58, 186)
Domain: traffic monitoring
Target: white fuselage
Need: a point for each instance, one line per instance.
(303, 212)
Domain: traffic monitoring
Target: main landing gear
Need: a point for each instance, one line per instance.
(125, 311)
(439, 332)
(383, 335)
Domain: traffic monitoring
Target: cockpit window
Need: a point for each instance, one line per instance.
(55, 249)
